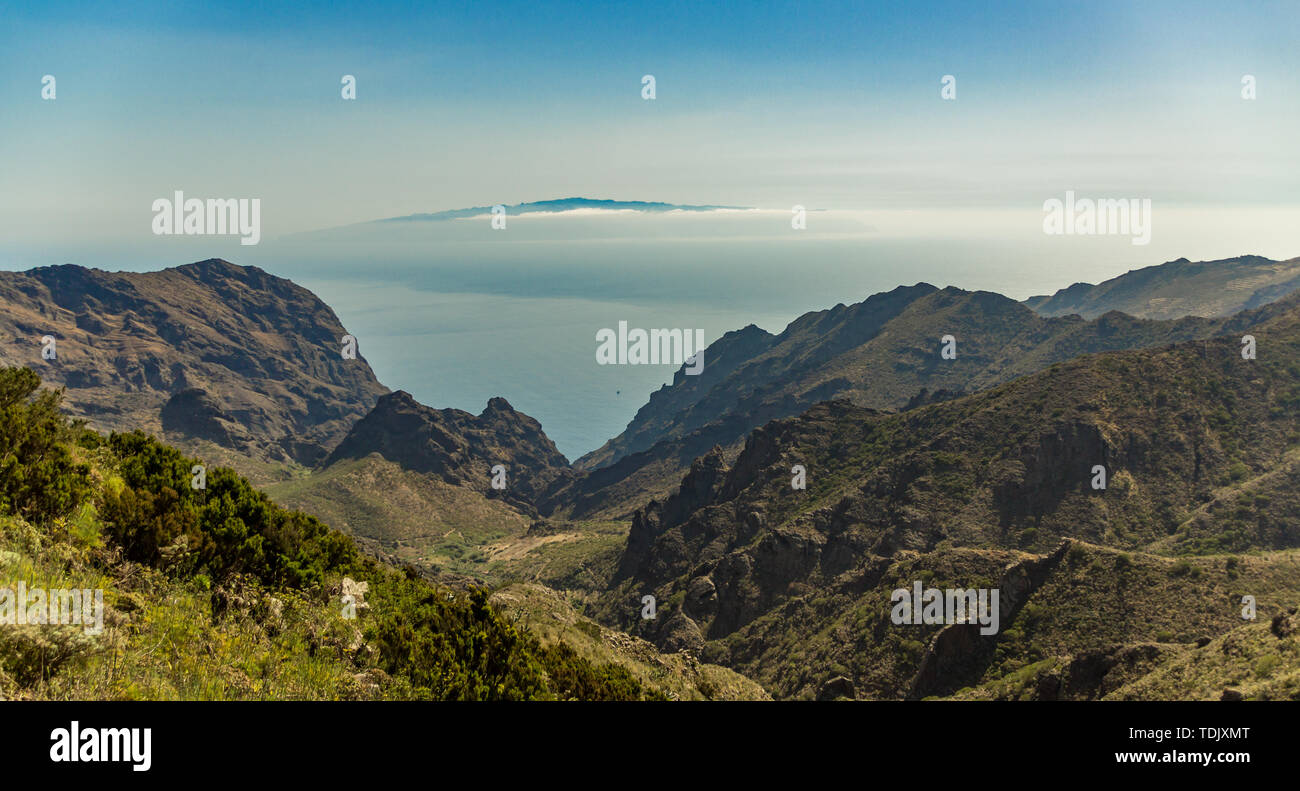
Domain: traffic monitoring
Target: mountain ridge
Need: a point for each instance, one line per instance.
(255, 360)
(461, 448)
(962, 488)
(882, 353)
(1179, 288)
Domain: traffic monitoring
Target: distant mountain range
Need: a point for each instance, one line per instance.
(557, 205)
(881, 353)
(1179, 288)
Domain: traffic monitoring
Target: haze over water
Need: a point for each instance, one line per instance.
(457, 313)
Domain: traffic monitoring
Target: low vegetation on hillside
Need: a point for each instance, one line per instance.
(219, 593)
(790, 586)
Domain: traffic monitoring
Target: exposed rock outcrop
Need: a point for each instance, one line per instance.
(207, 351)
(462, 448)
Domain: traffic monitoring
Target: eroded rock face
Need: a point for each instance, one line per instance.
(658, 536)
(1093, 674)
(837, 688)
(680, 633)
(1285, 624)
(207, 351)
(462, 448)
(959, 653)
(1060, 461)
(701, 597)
(194, 413)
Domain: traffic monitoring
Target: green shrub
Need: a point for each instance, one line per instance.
(38, 477)
(436, 643)
(1265, 666)
(228, 528)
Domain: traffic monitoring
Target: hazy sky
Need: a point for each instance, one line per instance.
(830, 105)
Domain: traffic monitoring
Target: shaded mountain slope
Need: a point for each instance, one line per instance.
(883, 353)
(744, 367)
(208, 351)
(460, 448)
(1177, 428)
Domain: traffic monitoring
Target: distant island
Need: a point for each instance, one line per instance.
(559, 205)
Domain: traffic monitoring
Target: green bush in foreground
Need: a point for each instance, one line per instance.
(38, 477)
(227, 543)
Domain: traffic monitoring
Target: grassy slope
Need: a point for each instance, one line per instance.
(548, 615)
(419, 519)
(160, 640)
(221, 594)
(416, 517)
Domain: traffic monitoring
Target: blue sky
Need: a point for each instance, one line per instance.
(833, 105)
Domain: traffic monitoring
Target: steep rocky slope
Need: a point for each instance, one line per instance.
(883, 353)
(1198, 445)
(417, 482)
(208, 352)
(460, 448)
